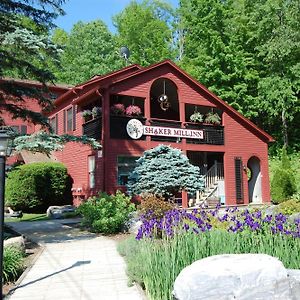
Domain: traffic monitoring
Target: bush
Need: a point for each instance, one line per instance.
(154, 207)
(289, 207)
(13, 258)
(106, 213)
(282, 186)
(34, 187)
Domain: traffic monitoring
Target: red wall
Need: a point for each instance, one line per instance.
(241, 140)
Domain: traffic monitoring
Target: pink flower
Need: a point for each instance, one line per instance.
(118, 109)
(133, 110)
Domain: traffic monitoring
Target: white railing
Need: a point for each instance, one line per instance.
(211, 178)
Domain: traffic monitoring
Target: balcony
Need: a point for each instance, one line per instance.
(93, 128)
(212, 134)
(118, 127)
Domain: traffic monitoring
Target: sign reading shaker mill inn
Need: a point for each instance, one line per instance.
(136, 129)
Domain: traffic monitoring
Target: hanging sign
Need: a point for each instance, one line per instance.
(136, 129)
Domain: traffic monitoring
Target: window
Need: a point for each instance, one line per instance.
(53, 124)
(69, 119)
(126, 165)
(91, 166)
(22, 129)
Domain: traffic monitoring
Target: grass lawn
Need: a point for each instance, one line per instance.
(28, 217)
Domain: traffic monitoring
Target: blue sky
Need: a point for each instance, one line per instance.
(88, 10)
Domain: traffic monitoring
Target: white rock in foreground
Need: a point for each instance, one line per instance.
(234, 276)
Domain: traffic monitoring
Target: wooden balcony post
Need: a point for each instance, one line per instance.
(184, 196)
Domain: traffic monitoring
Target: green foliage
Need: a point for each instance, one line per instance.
(289, 207)
(196, 117)
(154, 42)
(106, 213)
(25, 49)
(90, 49)
(164, 171)
(35, 186)
(13, 266)
(283, 184)
(155, 206)
(44, 142)
(212, 118)
(247, 53)
(163, 260)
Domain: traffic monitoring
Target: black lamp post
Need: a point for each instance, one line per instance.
(5, 150)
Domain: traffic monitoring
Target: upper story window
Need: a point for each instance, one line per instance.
(53, 123)
(20, 129)
(70, 119)
(164, 100)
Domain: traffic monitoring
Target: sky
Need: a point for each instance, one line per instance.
(89, 10)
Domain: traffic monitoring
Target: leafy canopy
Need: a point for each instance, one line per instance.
(164, 171)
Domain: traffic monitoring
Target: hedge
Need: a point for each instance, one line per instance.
(34, 187)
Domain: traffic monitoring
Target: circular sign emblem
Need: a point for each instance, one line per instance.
(134, 129)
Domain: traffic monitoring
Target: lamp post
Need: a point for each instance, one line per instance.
(5, 150)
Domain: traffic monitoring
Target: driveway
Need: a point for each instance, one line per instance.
(72, 265)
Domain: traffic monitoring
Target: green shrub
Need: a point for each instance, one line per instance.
(282, 186)
(289, 207)
(106, 213)
(13, 266)
(34, 187)
(155, 206)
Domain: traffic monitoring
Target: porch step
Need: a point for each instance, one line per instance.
(212, 202)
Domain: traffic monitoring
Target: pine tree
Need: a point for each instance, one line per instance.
(25, 49)
(164, 171)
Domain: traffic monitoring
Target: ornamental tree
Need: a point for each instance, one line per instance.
(164, 171)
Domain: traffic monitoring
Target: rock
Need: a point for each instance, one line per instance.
(271, 210)
(294, 217)
(294, 278)
(57, 212)
(133, 229)
(234, 276)
(18, 241)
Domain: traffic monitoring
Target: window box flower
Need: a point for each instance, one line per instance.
(133, 110)
(212, 118)
(196, 117)
(87, 115)
(118, 109)
(96, 111)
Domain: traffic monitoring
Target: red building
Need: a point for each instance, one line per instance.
(19, 125)
(232, 153)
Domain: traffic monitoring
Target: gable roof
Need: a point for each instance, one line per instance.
(218, 101)
(81, 88)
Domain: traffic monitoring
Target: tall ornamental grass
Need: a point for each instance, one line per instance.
(164, 247)
(13, 263)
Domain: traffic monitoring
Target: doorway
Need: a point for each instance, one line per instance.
(254, 180)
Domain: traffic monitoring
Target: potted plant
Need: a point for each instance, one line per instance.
(87, 115)
(196, 117)
(96, 111)
(212, 118)
(118, 109)
(133, 110)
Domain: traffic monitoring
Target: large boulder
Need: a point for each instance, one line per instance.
(234, 276)
(58, 212)
(18, 241)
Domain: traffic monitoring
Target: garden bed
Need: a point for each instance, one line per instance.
(164, 247)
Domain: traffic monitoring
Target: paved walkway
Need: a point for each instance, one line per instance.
(73, 265)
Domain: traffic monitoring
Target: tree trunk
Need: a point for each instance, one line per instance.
(284, 128)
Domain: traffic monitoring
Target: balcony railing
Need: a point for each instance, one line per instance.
(212, 134)
(93, 128)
